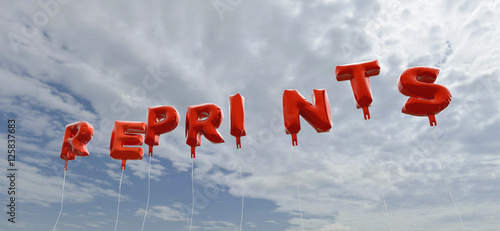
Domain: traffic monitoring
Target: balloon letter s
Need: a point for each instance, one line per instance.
(426, 98)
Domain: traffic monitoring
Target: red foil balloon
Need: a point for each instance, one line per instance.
(426, 98)
(359, 74)
(237, 115)
(76, 137)
(126, 133)
(203, 119)
(161, 119)
(317, 114)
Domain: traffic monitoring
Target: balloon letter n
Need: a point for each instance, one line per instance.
(317, 114)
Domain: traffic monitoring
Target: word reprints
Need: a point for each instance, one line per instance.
(426, 99)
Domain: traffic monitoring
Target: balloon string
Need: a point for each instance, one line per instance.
(298, 191)
(192, 191)
(383, 193)
(149, 192)
(119, 195)
(242, 189)
(436, 148)
(62, 201)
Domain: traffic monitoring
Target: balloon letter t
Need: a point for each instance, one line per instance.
(358, 75)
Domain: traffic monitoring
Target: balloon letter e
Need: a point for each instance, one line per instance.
(358, 75)
(127, 133)
(426, 98)
(203, 119)
(317, 114)
(76, 137)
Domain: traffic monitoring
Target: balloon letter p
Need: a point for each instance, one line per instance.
(161, 119)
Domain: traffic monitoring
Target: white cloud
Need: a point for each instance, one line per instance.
(165, 213)
(318, 224)
(219, 225)
(43, 189)
(110, 61)
(336, 227)
(140, 169)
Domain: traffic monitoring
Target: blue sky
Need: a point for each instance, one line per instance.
(67, 61)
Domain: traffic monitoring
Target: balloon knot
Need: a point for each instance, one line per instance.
(150, 150)
(432, 119)
(366, 113)
(124, 163)
(65, 165)
(238, 142)
(294, 139)
(193, 155)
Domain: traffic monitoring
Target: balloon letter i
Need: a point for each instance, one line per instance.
(237, 114)
(126, 133)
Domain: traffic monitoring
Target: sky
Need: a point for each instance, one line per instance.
(65, 61)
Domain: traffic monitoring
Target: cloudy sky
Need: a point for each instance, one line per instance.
(67, 61)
